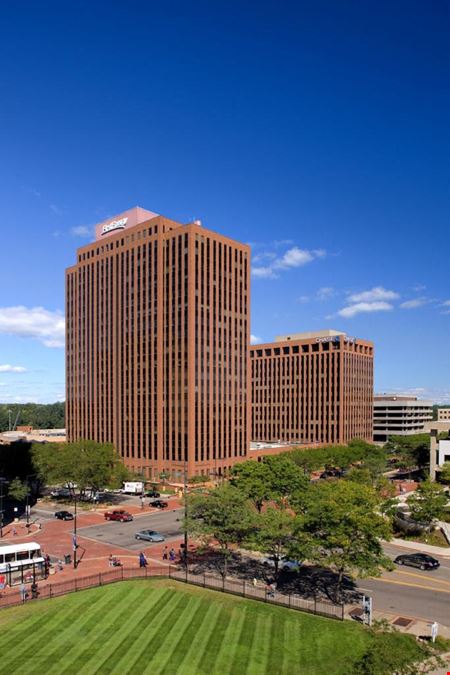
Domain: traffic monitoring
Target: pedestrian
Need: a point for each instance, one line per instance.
(255, 581)
(434, 631)
(14, 532)
(23, 592)
(34, 591)
(111, 560)
(165, 553)
(142, 560)
(172, 555)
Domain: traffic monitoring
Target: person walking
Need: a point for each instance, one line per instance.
(142, 560)
(172, 555)
(165, 555)
(34, 591)
(23, 592)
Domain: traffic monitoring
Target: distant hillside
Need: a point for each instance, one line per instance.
(39, 416)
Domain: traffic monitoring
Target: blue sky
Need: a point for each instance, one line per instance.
(318, 132)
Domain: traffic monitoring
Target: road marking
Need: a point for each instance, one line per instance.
(420, 576)
(404, 583)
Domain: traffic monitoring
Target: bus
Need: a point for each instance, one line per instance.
(21, 563)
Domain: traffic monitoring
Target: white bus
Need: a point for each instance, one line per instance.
(21, 563)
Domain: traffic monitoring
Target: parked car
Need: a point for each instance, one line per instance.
(153, 494)
(64, 515)
(420, 560)
(331, 473)
(285, 564)
(61, 492)
(149, 535)
(122, 516)
(158, 504)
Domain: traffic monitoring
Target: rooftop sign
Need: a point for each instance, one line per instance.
(114, 225)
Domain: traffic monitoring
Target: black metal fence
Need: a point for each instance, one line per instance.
(243, 589)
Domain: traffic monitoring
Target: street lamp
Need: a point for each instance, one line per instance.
(3, 482)
(74, 536)
(185, 515)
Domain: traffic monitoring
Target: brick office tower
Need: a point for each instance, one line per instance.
(157, 344)
(312, 388)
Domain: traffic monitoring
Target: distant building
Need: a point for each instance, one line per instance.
(310, 388)
(443, 414)
(27, 433)
(157, 317)
(397, 415)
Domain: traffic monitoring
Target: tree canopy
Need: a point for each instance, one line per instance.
(428, 502)
(37, 415)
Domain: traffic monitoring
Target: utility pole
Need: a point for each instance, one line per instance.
(185, 514)
(74, 537)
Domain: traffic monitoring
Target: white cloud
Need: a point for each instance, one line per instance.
(254, 339)
(363, 307)
(304, 299)
(413, 304)
(325, 293)
(37, 322)
(292, 258)
(378, 293)
(446, 303)
(82, 231)
(56, 210)
(6, 368)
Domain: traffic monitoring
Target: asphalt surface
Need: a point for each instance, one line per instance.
(409, 592)
(167, 523)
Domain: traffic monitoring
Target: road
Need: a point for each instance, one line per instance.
(167, 523)
(409, 592)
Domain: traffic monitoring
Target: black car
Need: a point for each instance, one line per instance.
(159, 504)
(153, 494)
(420, 560)
(64, 515)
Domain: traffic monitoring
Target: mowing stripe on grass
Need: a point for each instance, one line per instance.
(190, 663)
(276, 652)
(157, 636)
(84, 632)
(129, 628)
(225, 655)
(170, 643)
(212, 644)
(258, 663)
(244, 648)
(42, 637)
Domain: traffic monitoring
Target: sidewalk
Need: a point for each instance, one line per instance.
(441, 551)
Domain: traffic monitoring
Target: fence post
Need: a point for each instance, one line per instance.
(223, 583)
(76, 587)
(99, 578)
(243, 588)
(315, 605)
(342, 611)
(121, 569)
(265, 595)
(204, 580)
(289, 596)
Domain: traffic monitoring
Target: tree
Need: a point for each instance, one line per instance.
(428, 502)
(284, 478)
(346, 529)
(273, 534)
(17, 490)
(444, 475)
(252, 480)
(86, 464)
(224, 516)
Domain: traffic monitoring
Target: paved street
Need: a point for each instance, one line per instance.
(167, 523)
(410, 592)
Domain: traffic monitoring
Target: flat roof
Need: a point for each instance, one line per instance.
(308, 335)
(30, 546)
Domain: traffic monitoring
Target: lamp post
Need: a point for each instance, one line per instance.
(185, 514)
(3, 482)
(74, 536)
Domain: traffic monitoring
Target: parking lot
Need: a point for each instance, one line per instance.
(123, 534)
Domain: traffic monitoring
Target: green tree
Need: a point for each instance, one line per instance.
(394, 652)
(444, 475)
(252, 480)
(274, 530)
(428, 502)
(86, 464)
(17, 490)
(285, 479)
(345, 529)
(224, 516)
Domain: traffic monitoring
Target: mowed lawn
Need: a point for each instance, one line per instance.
(161, 626)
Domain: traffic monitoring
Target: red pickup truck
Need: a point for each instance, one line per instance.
(123, 516)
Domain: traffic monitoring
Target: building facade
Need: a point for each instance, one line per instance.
(157, 345)
(443, 414)
(311, 388)
(399, 416)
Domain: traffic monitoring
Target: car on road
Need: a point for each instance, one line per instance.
(158, 504)
(420, 560)
(121, 516)
(285, 564)
(152, 494)
(64, 515)
(149, 535)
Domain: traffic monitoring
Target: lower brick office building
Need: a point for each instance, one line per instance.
(157, 344)
(312, 388)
